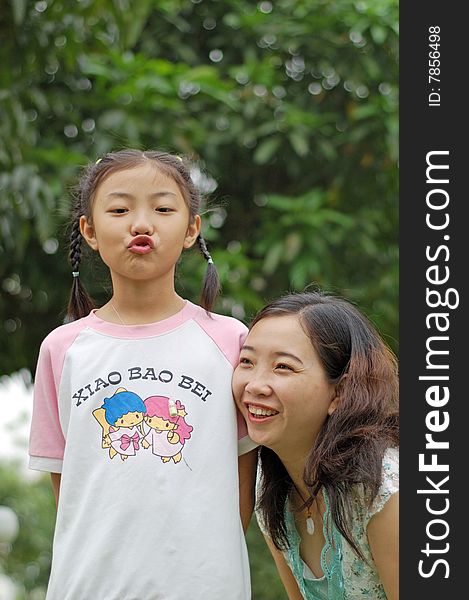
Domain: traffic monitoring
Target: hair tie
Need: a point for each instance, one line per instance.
(75, 273)
(210, 260)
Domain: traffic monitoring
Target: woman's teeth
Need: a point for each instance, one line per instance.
(261, 412)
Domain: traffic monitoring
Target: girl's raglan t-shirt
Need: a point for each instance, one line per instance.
(148, 509)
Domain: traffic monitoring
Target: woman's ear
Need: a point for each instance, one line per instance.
(337, 395)
(88, 232)
(192, 232)
(333, 405)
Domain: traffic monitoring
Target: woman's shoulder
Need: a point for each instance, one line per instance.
(390, 470)
(364, 506)
(391, 464)
(389, 480)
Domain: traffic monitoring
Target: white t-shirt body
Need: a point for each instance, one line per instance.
(144, 513)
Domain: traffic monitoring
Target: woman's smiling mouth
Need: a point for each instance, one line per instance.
(259, 412)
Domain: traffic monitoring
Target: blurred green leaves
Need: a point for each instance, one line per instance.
(290, 109)
(28, 561)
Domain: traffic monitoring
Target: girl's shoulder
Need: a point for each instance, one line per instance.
(63, 335)
(228, 333)
(211, 319)
(55, 346)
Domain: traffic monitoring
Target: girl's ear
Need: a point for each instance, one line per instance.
(88, 232)
(192, 232)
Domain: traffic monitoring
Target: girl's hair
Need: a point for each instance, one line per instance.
(121, 403)
(158, 406)
(93, 175)
(350, 446)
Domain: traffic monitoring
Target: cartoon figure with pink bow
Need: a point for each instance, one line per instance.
(121, 417)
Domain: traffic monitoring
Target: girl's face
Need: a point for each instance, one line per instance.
(140, 224)
(281, 387)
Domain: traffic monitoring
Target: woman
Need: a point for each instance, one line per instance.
(318, 388)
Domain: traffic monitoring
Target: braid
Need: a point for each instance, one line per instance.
(203, 248)
(80, 303)
(211, 285)
(75, 246)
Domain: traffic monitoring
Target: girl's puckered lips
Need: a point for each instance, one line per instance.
(141, 244)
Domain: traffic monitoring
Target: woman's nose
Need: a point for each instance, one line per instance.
(258, 386)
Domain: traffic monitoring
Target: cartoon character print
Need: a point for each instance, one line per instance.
(121, 418)
(168, 428)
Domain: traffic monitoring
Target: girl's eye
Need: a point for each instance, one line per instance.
(167, 424)
(122, 421)
(244, 361)
(164, 209)
(118, 211)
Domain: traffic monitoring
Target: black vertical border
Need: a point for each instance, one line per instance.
(424, 129)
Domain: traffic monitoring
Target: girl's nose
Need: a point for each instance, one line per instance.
(142, 224)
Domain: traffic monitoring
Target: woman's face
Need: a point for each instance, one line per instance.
(281, 387)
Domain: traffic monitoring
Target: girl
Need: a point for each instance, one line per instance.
(140, 210)
(318, 389)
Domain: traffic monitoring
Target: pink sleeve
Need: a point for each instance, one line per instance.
(245, 444)
(46, 440)
(227, 332)
(229, 335)
(46, 436)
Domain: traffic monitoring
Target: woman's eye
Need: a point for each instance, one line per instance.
(283, 367)
(244, 361)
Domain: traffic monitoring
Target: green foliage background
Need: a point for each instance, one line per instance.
(289, 110)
